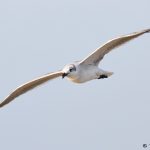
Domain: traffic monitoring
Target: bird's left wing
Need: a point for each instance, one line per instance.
(99, 53)
(30, 85)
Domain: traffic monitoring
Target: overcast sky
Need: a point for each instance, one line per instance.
(37, 37)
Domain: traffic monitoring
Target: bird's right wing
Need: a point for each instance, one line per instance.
(98, 54)
(30, 85)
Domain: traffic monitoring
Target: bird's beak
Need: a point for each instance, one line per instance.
(64, 75)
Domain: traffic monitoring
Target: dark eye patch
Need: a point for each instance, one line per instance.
(71, 69)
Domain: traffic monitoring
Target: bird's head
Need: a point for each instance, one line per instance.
(69, 70)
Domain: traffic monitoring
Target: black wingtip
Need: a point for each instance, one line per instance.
(1, 104)
(147, 31)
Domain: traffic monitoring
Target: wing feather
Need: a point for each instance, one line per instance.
(99, 53)
(28, 86)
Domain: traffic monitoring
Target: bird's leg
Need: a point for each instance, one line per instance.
(102, 76)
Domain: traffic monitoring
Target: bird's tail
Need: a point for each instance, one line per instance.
(108, 73)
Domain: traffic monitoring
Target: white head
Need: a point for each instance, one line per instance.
(69, 70)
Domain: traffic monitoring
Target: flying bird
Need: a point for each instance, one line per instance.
(79, 71)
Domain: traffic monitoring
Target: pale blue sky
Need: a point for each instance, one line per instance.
(37, 37)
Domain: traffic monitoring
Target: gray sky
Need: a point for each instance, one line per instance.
(37, 37)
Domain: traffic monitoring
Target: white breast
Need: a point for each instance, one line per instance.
(84, 73)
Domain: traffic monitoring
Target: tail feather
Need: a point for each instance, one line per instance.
(108, 73)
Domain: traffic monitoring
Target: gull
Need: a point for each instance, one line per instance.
(79, 71)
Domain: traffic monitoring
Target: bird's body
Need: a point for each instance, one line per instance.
(81, 76)
(78, 72)
(86, 72)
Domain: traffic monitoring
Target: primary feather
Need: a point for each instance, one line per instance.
(28, 86)
(99, 53)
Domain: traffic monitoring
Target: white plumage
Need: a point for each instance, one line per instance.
(78, 72)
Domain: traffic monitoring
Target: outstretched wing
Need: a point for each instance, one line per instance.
(28, 86)
(99, 53)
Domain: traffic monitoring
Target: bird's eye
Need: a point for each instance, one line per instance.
(71, 69)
